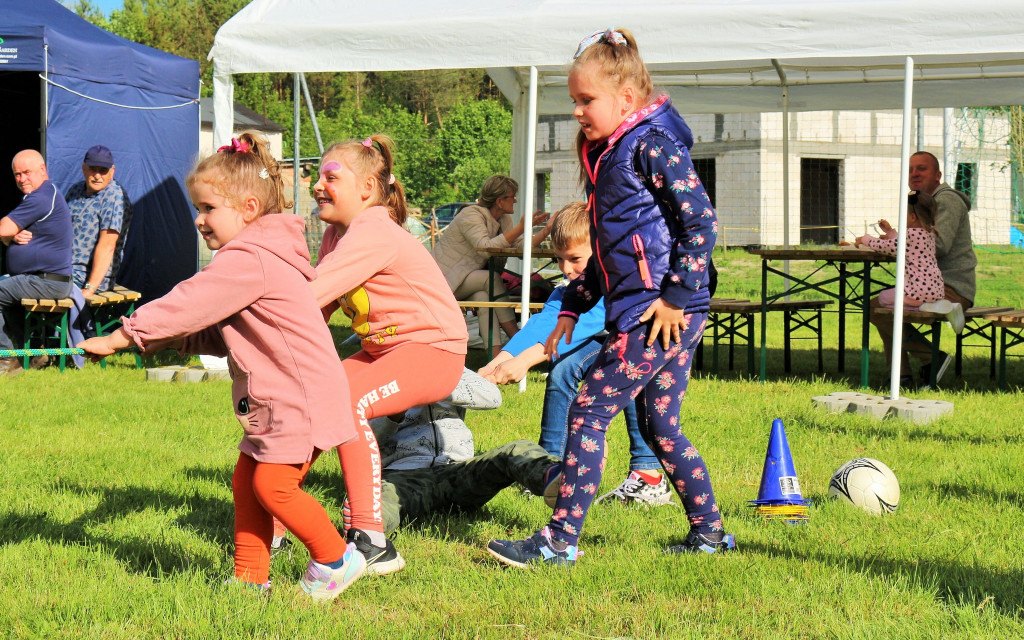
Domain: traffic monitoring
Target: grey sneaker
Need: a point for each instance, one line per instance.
(704, 543)
(635, 490)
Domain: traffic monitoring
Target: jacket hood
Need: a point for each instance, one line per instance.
(945, 187)
(281, 234)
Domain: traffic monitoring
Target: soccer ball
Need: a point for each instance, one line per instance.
(868, 484)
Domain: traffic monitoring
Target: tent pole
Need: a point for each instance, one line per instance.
(948, 159)
(529, 187)
(312, 113)
(44, 117)
(901, 229)
(785, 155)
(296, 170)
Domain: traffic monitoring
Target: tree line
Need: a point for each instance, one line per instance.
(452, 128)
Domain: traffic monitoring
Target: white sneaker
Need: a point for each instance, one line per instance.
(956, 318)
(635, 490)
(323, 583)
(939, 306)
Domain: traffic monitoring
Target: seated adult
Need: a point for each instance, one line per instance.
(40, 268)
(486, 224)
(100, 214)
(954, 251)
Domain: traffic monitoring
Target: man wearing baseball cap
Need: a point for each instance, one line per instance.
(101, 214)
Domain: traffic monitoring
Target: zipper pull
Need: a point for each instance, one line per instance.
(641, 260)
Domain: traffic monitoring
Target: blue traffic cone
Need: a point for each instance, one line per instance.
(779, 495)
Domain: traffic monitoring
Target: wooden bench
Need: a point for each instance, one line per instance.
(977, 323)
(47, 321)
(490, 305)
(1011, 334)
(107, 307)
(733, 320)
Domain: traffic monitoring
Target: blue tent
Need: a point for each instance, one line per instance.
(67, 85)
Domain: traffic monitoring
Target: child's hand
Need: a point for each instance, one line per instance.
(563, 328)
(509, 371)
(669, 321)
(887, 231)
(101, 347)
(96, 348)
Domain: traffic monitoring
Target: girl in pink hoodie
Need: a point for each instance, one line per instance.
(413, 332)
(253, 304)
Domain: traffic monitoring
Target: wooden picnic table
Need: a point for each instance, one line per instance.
(495, 267)
(844, 275)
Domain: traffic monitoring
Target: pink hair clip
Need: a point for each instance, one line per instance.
(236, 146)
(368, 143)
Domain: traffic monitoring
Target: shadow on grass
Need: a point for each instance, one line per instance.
(955, 582)
(211, 519)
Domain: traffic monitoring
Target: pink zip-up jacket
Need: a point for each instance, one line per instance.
(253, 304)
(389, 285)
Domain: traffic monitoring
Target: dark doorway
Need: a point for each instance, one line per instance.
(21, 100)
(705, 168)
(819, 201)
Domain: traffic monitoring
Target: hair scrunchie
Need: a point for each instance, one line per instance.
(610, 36)
(236, 146)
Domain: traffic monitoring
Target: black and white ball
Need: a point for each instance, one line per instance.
(868, 484)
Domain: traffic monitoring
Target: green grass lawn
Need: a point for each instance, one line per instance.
(116, 517)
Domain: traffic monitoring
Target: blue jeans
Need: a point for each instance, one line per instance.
(12, 290)
(563, 383)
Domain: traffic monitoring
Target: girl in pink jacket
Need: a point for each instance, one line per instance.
(253, 304)
(412, 330)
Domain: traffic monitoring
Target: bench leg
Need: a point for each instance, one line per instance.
(787, 354)
(821, 357)
(933, 368)
(750, 344)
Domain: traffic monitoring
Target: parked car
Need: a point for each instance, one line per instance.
(446, 212)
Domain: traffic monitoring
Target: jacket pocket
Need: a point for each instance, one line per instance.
(641, 261)
(252, 414)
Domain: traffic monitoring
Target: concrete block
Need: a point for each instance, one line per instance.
(875, 408)
(162, 374)
(920, 411)
(191, 375)
(217, 374)
(830, 403)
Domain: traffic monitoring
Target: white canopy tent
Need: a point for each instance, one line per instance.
(717, 56)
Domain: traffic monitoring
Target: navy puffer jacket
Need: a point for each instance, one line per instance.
(652, 224)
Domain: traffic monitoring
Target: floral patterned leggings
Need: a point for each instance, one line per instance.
(626, 370)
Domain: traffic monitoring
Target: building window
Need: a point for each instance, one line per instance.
(967, 180)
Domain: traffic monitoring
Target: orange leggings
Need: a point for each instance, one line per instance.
(265, 491)
(401, 379)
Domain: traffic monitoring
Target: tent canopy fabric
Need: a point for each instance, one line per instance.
(139, 102)
(712, 57)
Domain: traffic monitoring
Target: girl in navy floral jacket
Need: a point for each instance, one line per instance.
(652, 231)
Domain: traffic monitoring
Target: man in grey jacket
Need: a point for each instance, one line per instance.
(954, 251)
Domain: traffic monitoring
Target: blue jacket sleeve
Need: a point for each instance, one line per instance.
(540, 326)
(669, 174)
(582, 293)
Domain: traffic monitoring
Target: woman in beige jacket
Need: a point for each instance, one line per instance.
(484, 225)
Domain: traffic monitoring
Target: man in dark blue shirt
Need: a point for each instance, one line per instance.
(40, 268)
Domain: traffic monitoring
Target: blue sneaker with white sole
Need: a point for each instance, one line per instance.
(703, 543)
(540, 548)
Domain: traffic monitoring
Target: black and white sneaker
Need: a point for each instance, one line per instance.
(379, 560)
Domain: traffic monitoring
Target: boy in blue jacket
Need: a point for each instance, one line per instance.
(570, 236)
